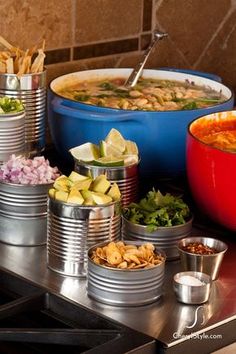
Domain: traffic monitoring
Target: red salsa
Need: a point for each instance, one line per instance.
(219, 133)
(199, 248)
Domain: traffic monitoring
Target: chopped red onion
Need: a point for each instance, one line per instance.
(20, 170)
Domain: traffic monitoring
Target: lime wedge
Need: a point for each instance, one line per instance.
(130, 159)
(109, 161)
(85, 152)
(107, 149)
(131, 148)
(115, 139)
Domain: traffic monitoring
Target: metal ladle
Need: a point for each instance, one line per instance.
(134, 76)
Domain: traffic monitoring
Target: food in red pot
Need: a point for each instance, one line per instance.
(211, 165)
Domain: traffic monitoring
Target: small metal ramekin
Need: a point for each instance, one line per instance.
(210, 263)
(192, 294)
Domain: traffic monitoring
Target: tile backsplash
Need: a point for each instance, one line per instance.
(87, 34)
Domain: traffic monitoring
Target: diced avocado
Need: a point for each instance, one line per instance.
(114, 192)
(101, 184)
(75, 177)
(62, 183)
(75, 197)
(61, 195)
(101, 198)
(52, 192)
(83, 184)
(88, 198)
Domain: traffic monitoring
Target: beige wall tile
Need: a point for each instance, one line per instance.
(162, 59)
(56, 70)
(99, 20)
(191, 23)
(166, 54)
(220, 57)
(129, 60)
(24, 23)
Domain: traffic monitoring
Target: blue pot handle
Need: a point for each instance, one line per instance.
(64, 107)
(194, 72)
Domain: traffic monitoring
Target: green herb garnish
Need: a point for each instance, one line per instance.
(82, 97)
(158, 210)
(107, 85)
(10, 105)
(190, 105)
(209, 100)
(121, 93)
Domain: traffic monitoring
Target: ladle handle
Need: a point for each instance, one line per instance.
(134, 76)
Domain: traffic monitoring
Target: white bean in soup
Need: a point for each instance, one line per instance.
(148, 94)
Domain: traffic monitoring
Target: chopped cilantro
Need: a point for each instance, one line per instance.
(10, 105)
(158, 210)
(82, 97)
(190, 105)
(107, 85)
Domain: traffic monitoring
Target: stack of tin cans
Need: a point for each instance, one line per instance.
(12, 134)
(31, 90)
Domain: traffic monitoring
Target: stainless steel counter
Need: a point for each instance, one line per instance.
(175, 326)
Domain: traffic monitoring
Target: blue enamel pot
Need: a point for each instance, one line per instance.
(160, 136)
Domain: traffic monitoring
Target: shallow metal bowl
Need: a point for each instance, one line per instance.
(125, 287)
(192, 294)
(166, 238)
(209, 264)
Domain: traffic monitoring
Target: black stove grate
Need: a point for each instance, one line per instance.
(36, 321)
(30, 319)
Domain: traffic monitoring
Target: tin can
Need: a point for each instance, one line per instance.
(23, 214)
(126, 178)
(166, 238)
(12, 135)
(31, 90)
(72, 229)
(125, 287)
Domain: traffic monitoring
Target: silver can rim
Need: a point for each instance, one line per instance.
(195, 238)
(90, 166)
(175, 227)
(101, 244)
(25, 185)
(60, 202)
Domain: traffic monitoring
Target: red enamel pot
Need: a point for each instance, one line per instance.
(211, 171)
